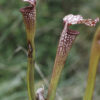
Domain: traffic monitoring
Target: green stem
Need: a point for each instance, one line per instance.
(54, 82)
(93, 66)
(30, 79)
(30, 72)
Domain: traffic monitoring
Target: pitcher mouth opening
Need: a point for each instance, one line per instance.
(72, 32)
(27, 9)
(69, 30)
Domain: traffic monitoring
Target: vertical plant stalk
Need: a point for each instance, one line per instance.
(66, 41)
(93, 66)
(29, 16)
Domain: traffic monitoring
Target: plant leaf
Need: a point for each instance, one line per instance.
(93, 66)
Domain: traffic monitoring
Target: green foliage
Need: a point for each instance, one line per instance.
(12, 36)
(93, 66)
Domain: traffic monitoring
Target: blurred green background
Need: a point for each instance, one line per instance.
(13, 46)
